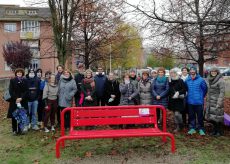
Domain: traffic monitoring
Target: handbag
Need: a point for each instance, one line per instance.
(6, 95)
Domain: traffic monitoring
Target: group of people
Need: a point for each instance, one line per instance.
(183, 94)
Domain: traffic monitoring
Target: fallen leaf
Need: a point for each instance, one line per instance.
(88, 154)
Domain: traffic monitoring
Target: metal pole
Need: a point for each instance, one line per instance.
(110, 58)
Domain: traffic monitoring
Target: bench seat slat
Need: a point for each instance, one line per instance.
(113, 121)
(109, 112)
(115, 133)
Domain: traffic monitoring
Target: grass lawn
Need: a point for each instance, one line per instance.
(39, 147)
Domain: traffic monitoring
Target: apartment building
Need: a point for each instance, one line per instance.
(29, 25)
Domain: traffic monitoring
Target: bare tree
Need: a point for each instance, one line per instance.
(195, 29)
(94, 27)
(62, 13)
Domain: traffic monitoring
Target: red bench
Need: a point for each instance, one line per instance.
(113, 115)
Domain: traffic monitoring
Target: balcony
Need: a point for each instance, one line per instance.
(29, 34)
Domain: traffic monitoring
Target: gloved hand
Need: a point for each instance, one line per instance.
(110, 100)
(175, 96)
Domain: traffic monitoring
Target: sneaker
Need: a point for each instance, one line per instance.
(14, 133)
(29, 126)
(25, 129)
(35, 127)
(192, 131)
(201, 132)
(52, 128)
(39, 123)
(46, 130)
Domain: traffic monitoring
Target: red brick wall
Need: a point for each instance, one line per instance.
(6, 37)
(227, 105)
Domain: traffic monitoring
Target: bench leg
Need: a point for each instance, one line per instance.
(58, 148)
(63, 143)
(164, 139)
(60, 141)
(173, 147)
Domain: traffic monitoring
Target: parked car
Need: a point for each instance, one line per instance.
(226, 72)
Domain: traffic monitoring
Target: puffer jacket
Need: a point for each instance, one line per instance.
(127, 90)
(197, 90)
(215, 99)
(66, 91)
(145, 92)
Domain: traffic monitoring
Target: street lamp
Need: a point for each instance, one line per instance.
(110, 58)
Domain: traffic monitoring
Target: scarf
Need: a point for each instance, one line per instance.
(161, 79)
(145, 81)
(67, 79)
(89, 81)
(133, 78)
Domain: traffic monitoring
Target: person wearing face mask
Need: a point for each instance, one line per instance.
(215, 101)
(100, 80)
(33, 94)
(38, 74)
(196, 91)
(177, 91)
(128, 91)
(78, 79)
(66, 90)
(18, 90)
(112, 92)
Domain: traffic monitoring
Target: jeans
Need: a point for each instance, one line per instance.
(196, 111)
(33, 106)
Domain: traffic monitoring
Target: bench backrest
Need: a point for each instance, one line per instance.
(113, 115)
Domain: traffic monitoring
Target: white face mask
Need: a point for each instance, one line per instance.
(127, 81)
(31, 75)
(39, 74)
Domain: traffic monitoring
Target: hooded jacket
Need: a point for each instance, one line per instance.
(215, 99)
(197, 90)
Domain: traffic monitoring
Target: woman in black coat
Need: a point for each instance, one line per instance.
(112, 92)
(18, 90)
(177, 91)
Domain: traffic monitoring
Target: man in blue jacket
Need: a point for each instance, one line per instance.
(100, 80)
(197, 89)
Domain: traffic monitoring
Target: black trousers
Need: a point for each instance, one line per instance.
(66, 117)
(15, 126)
(100, 101)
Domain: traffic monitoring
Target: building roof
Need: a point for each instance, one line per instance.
(17, 13)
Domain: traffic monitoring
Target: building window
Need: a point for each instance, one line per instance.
(7, 68)
(30, 26)
(35, 64)
(31, 12)
(10, 27)
(11, 12)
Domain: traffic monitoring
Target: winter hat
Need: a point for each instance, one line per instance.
(19, 70)
(153, 71)
(145, 72)
(193, 68)
(80, 65)
(214, 69)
